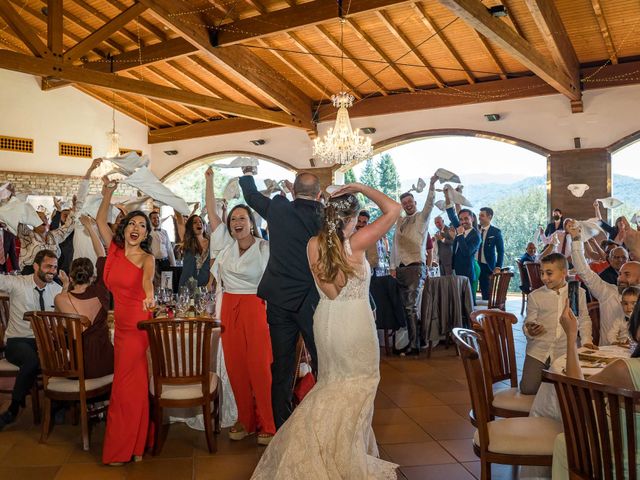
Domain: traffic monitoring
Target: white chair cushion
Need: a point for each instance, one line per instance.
(512, 399)
(6, 366)
(522, 435)
(185, 392)
(67, 385)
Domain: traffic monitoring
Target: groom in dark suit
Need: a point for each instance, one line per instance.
(491, 251)
(465, 244)
(287, 284)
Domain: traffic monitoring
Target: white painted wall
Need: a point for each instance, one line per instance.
(65, 114)
(610, 114)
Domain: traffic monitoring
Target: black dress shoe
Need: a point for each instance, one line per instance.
(6, 418)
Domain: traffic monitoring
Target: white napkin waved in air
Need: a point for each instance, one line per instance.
(240, 162)
(17, 211)
(590, 228)
(578, 189)
(127, 164)
(419, 187)
(447, 176)
(610, 202)
(91, 206)
(440, 204)
(456, 197)
(145, 181)
(232, 190)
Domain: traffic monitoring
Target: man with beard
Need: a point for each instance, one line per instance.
(608, 295)
(34, 292)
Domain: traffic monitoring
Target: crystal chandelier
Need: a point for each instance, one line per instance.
(342, 144)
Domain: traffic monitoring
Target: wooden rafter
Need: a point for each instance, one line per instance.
(352, 58)
(132, 37)
(257, 5)
(306, 48)
(510, 19)
(22, 30)
(604, 30)
(237, 60)
(45, 67)
(104, 32)
(500, 71)
(425, 18)
(180, 70)
(205, 129)
(304, 76)
(54, 26)
(366, 38)
(144, 23)
(406, 43)
(288, 19)
(477, 16)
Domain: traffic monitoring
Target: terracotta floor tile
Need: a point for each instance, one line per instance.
(462, 450)
(225, 467)
(437, 413)
(403, 433)
(413, 396)
(24, 454)
(450, 430)
(420, 453)
(159, 469)
(28, 473)
(390, 416)
(452, 471)
(90, 471)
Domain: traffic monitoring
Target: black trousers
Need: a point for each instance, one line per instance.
(410, 283)
(284, 327)
(485, 286)
(23, 353)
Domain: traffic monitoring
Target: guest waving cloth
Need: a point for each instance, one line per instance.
(241, 257)
(128, 274)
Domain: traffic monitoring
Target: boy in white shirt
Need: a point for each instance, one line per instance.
(546, 339)
(619, 333)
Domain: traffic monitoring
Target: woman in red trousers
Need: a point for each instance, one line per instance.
(240, 259)
(128, 273)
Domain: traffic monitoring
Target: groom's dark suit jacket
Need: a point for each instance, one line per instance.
(287, 280)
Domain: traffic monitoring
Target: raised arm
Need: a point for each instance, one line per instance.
(370, 234)
(569, 324)
(451, 212)
(428, 203)
(87, 223)
(596, 207)
(210, 200)
(108, 187)
(253, 197)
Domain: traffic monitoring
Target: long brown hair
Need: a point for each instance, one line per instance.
(190, 241)
(332, 259)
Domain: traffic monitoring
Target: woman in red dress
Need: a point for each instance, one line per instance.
(128, 273)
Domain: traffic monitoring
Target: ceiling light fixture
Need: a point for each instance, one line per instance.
(171, 152)
(498, 11)
(258, 142)
(492, 117)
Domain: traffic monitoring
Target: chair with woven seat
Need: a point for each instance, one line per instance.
(594, 313)
(499, 285)
(499, 360)
(8, 369)
(524, 289)
(182, 353)
(533, 272)
(509, 441)
(59, 341)
(600, 428)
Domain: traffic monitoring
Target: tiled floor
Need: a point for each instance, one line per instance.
(420, 423)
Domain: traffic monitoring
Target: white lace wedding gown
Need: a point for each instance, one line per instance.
(329, 435)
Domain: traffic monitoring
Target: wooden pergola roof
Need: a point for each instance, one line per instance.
(205, 67)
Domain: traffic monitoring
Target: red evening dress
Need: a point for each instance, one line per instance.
(128, 417)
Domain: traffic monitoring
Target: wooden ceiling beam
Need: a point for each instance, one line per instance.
(132, 37)
(427, 21)
(257, 6)
(288, 19)
(390, 62)
(144, 23)
(205, 129)
(104, 32)
(500, 71)
(237, 60)
(23, 30)
(604, 30)
(510, 19)
(45, 67)
(180, 70)
(352, 58)
(478, 17)
(54, 26)
(306, 48)
(406, 43)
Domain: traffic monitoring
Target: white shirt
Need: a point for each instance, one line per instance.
(161, 246)
(239, 274)
(606, 293)
(23, 298)
(483, 234)
(544, 306)
(410, 237)
(619, 333)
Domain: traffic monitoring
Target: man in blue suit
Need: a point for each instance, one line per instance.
(491, 251)
(466, 243)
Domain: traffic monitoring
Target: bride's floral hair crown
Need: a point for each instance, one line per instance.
(334, 213)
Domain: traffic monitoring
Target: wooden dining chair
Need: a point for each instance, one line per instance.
(600, 429)
(499, 284)
(182, 350)
(509, 441)
(533, 271)
(59, 341)
(594, 313)
(8, 369)
(499, 360)
(525, 290)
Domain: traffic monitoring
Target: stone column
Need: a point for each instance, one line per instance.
(591, 166)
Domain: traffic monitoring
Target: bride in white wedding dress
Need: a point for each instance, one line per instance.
(329, 435)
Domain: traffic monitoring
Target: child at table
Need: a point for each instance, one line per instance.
(546, 340)
(621, 332)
